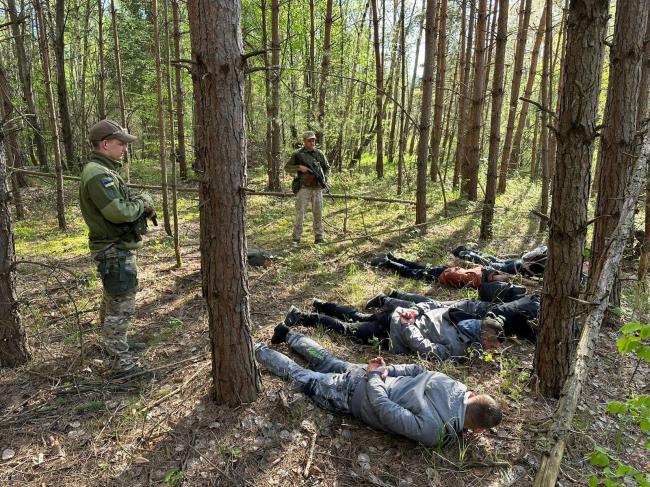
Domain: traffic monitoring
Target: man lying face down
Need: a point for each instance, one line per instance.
(435, 333)
(427, 407)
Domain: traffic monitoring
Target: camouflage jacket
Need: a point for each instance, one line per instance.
(307, 179)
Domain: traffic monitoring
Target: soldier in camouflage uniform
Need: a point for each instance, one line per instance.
(310, 191)
(116, 220)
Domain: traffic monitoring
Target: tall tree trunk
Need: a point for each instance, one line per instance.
(447, 139)
(218, 78)
(162, 138)
(495, 122)
(126, 168)
(181, 151)
(463, 92)
(101, 77)
(411, 125)
(267, 94)
(438, 104)
(324, 71)
(534, 160)
(618, 137)
(25, 75)
(311, 61)
(586, 26)
(61, 85)
(470, 163)
(545, 100)
(513, 160)
(274, 169)
(13, 346)
(58, 167)
(518, 68)
(402, 115)
(379, 70)
(642, 114)
(425, 113)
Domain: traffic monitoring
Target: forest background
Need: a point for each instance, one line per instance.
(434, 125)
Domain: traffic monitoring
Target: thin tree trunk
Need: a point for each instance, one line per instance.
(438, 104)
(425, 114)
(470, 163)
(101, 77)
(126, 168)
(410, 125)
(495, 122)
(618, 137)
(221, 168)
(463, 92)
(25, 75)
(267, 95)
(513, 160)
(586, 26)
(545, 100)
(58, 167)
(162, 138)
(534, 159)
(447, 139)
(642, 114)
(379, 70)
(324, 71)
(181, 151)
(61, 85)
(274, 171)
(518, 67)
(402, 115)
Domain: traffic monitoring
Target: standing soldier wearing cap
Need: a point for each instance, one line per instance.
(116, 222)
(306, 183)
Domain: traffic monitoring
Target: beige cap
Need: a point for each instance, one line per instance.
(310, 134)
(108, 129)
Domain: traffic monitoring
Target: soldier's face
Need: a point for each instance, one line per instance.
(113, 148)
(310, 144)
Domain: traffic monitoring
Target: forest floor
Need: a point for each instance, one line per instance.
(63, 422)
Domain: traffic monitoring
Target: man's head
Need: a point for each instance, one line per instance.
(482, 412)
(309, 140)
(108, 138)
(491, 333)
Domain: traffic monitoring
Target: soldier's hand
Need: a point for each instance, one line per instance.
(147, 203)
(302, 168)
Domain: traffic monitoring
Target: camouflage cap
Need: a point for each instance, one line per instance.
(310, 134)
(108, 129)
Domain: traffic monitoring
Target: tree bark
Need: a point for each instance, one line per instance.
(495, 122)
(518, 68)
(410, 125)
(425, 113)
(379, 101)
(642, 114)
(324, 71)
(545, 100)
(218, 78)
(618, 136)
(586, 26)
(120, 85)
(58, 165)
(402, 115)
(470, 163)
(162, 138)
(438, 104)
(513, 160)
(274, 168)
(181, 151)
(61, 85)
(101, 77)
(25, 75)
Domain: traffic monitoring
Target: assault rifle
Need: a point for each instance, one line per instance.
(316, 171)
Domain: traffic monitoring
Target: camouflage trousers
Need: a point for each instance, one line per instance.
(117, 310)
(303, 198)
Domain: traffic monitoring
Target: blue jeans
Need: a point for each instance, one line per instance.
(329, 385)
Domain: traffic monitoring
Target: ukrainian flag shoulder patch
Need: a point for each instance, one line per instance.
(108, 183)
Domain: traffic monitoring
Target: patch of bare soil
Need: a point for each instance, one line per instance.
(64, 423)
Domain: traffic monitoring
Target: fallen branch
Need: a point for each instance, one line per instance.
(598, 291)
(310, 455)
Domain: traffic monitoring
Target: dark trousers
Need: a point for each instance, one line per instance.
(363, 327)
(413, 270)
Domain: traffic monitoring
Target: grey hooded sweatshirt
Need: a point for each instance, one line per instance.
(428, 407)
(434, 334)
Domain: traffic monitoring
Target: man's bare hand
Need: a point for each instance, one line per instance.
(407, 316)
(302, 168)
(378, 365)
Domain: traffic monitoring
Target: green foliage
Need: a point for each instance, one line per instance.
(173, 476)
(636, 409)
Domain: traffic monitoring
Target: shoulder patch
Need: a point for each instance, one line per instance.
(108, 183)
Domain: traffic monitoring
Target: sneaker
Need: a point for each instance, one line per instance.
(317, 304)
(456, 252)
(280, 334)
(135, 372)
(379, 260)
(137, 347)
(293, 316)
(319, 240)
(376, 301)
